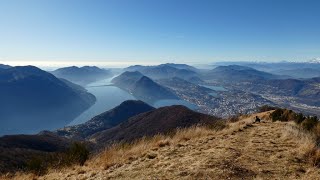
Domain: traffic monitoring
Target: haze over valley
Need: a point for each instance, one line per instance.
(222, 91)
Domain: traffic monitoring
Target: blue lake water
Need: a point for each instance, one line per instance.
(215, 88)
(109, 96)
(170, 102)
(213, 94)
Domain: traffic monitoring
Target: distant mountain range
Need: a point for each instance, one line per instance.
(275, 66)
(105, 120)
(306, 91)
(3, 66)
(182, 66)
(82, 75)
(235, 73)
(34, 100)
(142, 87)
(315, 60)
(165, 71)
(299, 72)
(314, 80)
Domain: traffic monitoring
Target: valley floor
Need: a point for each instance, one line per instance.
(246, 150)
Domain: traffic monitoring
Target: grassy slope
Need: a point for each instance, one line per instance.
(247, 150)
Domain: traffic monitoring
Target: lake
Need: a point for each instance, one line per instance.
(170, 102)
(215, 88)
(109, 96)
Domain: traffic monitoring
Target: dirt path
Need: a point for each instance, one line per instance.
(255, 151)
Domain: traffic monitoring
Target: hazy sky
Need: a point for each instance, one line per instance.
(150, 31)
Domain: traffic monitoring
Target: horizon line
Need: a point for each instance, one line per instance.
(122, 64)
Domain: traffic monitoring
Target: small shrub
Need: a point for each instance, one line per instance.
(276, 115)
(286, 115)
(310, 123)
(37, 166)
(265, 108)
(78, 153)
(299, 118)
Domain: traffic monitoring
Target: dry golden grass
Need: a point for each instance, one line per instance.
(119, 154)
(243, 122)
(308, 147)
(317, 131)
(243, 150)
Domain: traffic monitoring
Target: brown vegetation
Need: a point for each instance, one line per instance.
(242, 150)
(164, 120)
(16, 151)
(307, 131)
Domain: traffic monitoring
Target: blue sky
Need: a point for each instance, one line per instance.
(150, 31)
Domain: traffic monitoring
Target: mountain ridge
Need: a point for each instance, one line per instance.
(82, 75)
(142, 87)
(157, 121)
(164, 71)
(30, 94)
(233, 73)
(105, 120)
